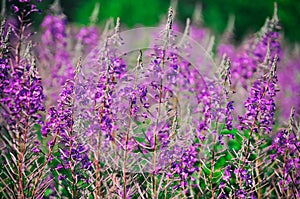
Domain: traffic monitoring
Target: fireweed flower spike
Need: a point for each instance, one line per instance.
(267, 41)
(225, 75)
(260, 106)
(54, 53)
(249, 60)
(74, 160)
(112, 69)
(167, 32)
(268, 36)
(126, 142)
(258, 121)
(22, 103)
(286, 147)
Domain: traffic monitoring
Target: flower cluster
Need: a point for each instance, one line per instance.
(54, 43)
(157, 122)
(255, 55)
(88, 36)
(4, 75)
(22, 104)
(73, 152)
(23, 95)
(260, 105)
(186, 167)
(286, 150)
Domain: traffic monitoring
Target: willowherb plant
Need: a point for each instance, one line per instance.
(149, 113)
(22, 104)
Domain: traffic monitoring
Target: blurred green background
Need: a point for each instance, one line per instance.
(249, 15)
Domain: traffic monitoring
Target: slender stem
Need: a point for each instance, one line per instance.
(213, 162)
(22, 143)
(284, 164)
(101, 111)
(97, 160)
(20, 38)
(21, 158)
(126, 152)
(72, 166)
(166, 41)
(247, 148)
(127, 137)
(98, 167)
(257, 162)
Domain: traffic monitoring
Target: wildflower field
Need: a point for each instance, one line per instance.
(150, 112)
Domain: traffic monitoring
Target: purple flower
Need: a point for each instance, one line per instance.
(268, 41)
(227, 174)
(15, 8)
(22, 105)
(61, 177)
(255, 55)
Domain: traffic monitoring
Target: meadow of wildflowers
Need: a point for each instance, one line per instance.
(102, 112)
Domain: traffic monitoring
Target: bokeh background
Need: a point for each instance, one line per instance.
(249, 15)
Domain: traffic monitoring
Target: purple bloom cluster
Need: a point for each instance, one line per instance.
(256, 54)
(268, 41)
(185, 167)
(260, 106)
(23, 95)
(4, 74)
(104, 93)
(54, 44)
(286, 151)
(22, 104)
(73, 152)
(243, 69)
(88, 36)
(230, 177)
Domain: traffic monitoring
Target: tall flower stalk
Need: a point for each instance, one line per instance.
(22, 105)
